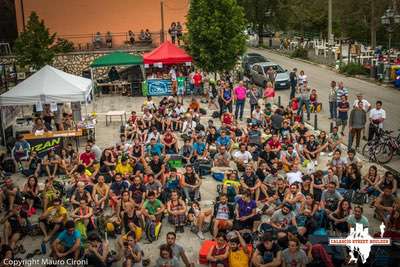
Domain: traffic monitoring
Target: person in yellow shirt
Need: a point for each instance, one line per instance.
(238, 253)
(124, 167)
(52, 219)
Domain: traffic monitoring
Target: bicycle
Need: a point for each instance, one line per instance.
(382, 147)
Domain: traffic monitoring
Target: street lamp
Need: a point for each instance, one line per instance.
(389, 20)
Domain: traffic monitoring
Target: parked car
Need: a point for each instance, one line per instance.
(249, 59)
(258, 75)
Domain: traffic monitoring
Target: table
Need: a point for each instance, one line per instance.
(116, 85)
(115, 113)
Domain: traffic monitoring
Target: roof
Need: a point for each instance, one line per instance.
(48, 85)
(167, 53)
(117, 58)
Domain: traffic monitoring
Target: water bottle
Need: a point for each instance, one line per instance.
(43, 248)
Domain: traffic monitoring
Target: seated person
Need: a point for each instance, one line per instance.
(238, 253)
(21, 149)
(330, 198)
(31, 194)
(153, 185)
(357, 217)
(231, 185)
(246, 214)
(84, 214)
(384, 204)
(217, 253)
(157, 167)
(289, 158)
(283, 218)
(267, 252)
(79, 194)
(334, 139)
(153, 208)
(130, 220)
(194, 105)
(53, 219)
(15, 225)
(295, 198)
(39, 127)
(199, 148)
(116, 189)
(129, 251)
(312, 149)
(87, 158)
(173, 181)
(224, 214)
(8, 193)
(199, 219)
(137, 192)
(170, 141)
(176, 208)
(242, 157)
(34, 165)
(323, 141)
(100, 193)
(191, 184)
(124, 167)
(340, 216)
(250, 182)
(187, 152)
(224, 140)
(68, 243)
(97, 251)
(227, 120)
(222, 158)
(51, 162)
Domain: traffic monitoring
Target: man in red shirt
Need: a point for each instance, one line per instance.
(197, 79)
(87, 158)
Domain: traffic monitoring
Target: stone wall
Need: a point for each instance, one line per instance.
(76, 62)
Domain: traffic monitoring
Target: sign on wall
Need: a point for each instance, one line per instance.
(159, 87)
(43, 145)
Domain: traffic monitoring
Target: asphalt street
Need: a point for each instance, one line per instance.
(320, 78)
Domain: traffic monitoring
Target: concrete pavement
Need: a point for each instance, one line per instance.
(320, 78)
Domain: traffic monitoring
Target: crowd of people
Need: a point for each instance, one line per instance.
(273, 196)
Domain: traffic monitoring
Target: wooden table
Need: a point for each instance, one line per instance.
(67, 133)
(115, 86)
(116, 113)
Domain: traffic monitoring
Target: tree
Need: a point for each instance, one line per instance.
(33, 47)
(63, 46)
(216, 34)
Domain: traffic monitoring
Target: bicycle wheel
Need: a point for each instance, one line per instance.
(383, 153)
(368, 151)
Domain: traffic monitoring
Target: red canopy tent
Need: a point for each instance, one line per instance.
(167, 53)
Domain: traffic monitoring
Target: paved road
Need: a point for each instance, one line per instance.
(319, 78)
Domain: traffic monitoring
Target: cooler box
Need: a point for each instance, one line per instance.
(204, 249)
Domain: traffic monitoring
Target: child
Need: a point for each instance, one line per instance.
(314, 99)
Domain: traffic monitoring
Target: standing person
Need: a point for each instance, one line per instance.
(172, 75)
(179, 32)
(293, 83)
(197, 80)
(226, 97)
(181, 88)
(304, 91)
(254, 95)
(343, 113)
(302, 78)
(341, 91)
(332, 98)
(239, 94)
(377, 116)
(269, 94)
(271, 75)
(357, 121)
(172, 31)
(366, 106)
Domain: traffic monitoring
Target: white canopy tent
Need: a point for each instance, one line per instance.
(48, 85)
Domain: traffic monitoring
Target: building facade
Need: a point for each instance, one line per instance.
(80, 20)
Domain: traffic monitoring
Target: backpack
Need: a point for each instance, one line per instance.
(359, 198)
(152, 230)
(215, 114)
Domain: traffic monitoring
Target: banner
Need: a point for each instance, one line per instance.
(159, 87)
(42, 145)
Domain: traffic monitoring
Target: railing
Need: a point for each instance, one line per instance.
(120, 40)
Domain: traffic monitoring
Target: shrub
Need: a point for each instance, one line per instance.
(299, 53)
(353, 69)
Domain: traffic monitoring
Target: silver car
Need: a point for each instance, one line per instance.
(258, 75)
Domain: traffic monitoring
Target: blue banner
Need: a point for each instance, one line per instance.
(159, 87)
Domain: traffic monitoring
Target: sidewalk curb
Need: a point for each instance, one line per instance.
(365, 79)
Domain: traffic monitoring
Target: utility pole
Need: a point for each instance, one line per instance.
(330, 39)
(162, 21)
